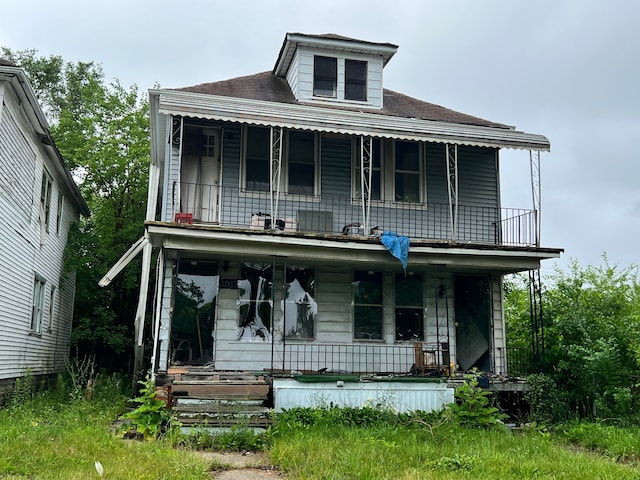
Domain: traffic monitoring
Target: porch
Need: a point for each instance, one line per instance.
(343, 215)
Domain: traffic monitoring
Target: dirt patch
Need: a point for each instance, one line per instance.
(241, 466)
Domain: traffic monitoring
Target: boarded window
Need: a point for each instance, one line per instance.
(254, 302)
(300, 306)
(367, 305)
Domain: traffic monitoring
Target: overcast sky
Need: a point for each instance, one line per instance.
(569, 70)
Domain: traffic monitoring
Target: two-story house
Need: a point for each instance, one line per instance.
(310, 220)
(38, 203)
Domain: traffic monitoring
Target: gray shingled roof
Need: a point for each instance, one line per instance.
(268, 87)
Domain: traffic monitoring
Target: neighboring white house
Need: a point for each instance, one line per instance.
(39, 202)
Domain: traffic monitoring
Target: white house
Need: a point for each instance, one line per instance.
(39, 202)
(308, 219)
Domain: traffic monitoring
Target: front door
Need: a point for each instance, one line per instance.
(473, 321)
(200, 173)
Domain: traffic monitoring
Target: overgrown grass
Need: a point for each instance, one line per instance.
(429, 447)
(51, 436)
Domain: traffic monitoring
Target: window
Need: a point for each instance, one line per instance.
(301, 163)
(52, 305)
(409, 312)
(254, 302)
(367, 305)
(407, 172)
(325, 76)
(38, 304)
(59, 211)
(398, 178)
(258, 156)
(355, 80)
(45, 200)
(300, 306)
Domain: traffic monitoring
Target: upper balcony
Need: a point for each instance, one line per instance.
(329, 215)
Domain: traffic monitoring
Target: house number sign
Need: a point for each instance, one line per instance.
(228, 283)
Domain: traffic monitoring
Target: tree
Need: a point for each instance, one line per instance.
(102, 132)
(592, 336)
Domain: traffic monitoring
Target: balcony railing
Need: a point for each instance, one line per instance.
(332, 214)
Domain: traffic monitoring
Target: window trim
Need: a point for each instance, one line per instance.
(331, 77)
(420, 307)
(348, 81)
(37, 304)
(243, 165)
(316, 165)
(45, 198)
(354, 304)
(388, 173)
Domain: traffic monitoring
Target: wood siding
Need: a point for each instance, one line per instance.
(25, 253)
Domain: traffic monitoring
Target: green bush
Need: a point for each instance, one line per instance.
(473, 406)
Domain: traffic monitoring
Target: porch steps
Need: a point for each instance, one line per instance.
(210, 399)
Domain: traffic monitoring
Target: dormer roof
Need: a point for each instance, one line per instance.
(329, 41)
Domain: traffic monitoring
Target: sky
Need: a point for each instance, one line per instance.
(566, 69)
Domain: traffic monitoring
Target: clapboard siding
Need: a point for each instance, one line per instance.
(25, 251)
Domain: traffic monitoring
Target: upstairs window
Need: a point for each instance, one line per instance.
(257, 159)
(325, 76)
(59, 211)
(407, 172)
(301, 163)
(45, 200)
(355, 80)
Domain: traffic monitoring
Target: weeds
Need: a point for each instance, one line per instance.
(473, 407)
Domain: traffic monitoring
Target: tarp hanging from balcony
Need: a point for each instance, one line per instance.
(397, 245)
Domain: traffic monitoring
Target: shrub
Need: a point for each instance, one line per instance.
(473, 406)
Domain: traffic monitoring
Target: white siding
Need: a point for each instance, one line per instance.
(22, 160)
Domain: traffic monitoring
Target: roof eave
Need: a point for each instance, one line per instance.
(331, 120)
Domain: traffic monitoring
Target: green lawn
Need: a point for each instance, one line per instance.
(51, 437)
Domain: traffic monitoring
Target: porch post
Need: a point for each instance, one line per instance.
(534, 162)
(158, 311)
(366, 152)
(274, 172)
(177, 129)
(452, 176)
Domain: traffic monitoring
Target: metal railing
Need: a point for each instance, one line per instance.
(356, 358)
(332, 214)
(520, 362)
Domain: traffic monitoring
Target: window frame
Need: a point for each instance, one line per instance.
(349, 79)
(45, 198)
(330, 76)
(37, 304)
(59, 211)
(244, 187)
(387, 158)
(52, 306)
(357, 277)
(419, 173)
(291, 274)
(398, 279)
(316, 163)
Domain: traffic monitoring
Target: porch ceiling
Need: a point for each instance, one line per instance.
(360, 252)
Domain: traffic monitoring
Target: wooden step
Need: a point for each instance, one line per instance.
(215, 389)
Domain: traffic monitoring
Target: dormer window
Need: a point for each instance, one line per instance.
(325, 76)
(355, 80)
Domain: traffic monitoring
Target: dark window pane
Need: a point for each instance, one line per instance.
(407, 187)
(301, 162)
(367, 322)
(258, 158)
(407, 156)
(367, 288)
(301, 178)
(325, 75)
(409, 324)
(355, 80)
(408, 290)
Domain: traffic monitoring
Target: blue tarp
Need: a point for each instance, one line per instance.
(397, 245)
